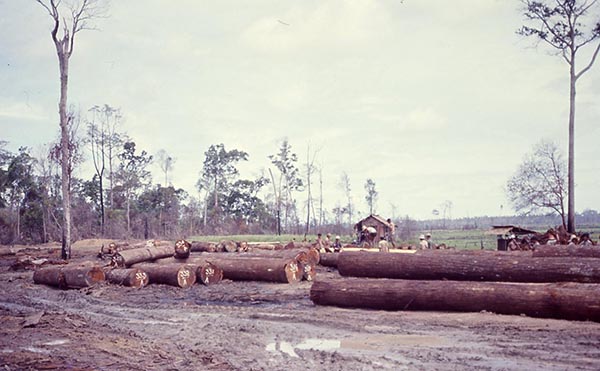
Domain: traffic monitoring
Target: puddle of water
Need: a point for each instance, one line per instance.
(283, 347)
(36, 350)
(319, 344)
(366, 343)
(57, 342)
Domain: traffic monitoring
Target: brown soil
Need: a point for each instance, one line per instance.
(260, 326)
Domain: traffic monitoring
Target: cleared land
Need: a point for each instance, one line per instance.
(254, 325)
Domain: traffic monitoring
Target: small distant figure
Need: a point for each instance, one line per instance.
(422, 243)
(585, 240)
(319, 242)
(337, 244)
(391, 232)
(513, 245)
(572, 240)
(384, 246)
(430, 244)
(328, 239)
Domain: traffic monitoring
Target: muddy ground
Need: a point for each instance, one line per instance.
(261, 326)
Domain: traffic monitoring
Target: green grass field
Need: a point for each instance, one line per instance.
(460, 239)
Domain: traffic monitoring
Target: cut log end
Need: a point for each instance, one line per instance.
(293, 272)
(209, 274)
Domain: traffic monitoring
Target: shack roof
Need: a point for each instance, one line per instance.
(373, 217)
(509, 229)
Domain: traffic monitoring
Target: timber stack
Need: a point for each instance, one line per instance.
(553, 282)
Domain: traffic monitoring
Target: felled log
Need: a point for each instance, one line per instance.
(201, 246)
(300, 255)
(129, 257)
(309, 271)
(52, 276)
(83, 276)
(228, 246)
(270, 269)
(545, 251)
(297, 245)
(573, 301)
(206, 272)
(4, 251)
(459, 267)
(178, 275)
(329, 260)
(131, 277)
(182, 249)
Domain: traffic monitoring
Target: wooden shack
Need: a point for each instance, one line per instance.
(380, 224)
(505, 233)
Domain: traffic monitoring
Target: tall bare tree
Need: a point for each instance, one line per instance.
(371, 196)
(68, 20)
(165, 161)
(561, 24)
(345, 185)
(539, 183)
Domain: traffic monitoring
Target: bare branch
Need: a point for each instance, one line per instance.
(584, 70)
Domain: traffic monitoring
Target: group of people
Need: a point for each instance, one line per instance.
(326, 245)
(425, 242)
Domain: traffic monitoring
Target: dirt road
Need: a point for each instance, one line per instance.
(264, 326)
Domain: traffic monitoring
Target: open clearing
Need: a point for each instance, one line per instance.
(259, 326)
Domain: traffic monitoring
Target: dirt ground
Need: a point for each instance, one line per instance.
(261, 326)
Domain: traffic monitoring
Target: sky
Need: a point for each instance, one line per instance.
(434, 100)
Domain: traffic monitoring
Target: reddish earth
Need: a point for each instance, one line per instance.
(261, 326)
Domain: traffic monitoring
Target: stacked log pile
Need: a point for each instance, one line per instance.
(555, 282)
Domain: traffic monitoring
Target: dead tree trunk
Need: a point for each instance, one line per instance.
(573, 301)
(128, 257)
(132, 277)
(178, 275)
(468, 268)
(566, 251)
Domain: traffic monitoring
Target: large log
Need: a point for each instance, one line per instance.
(329, 260)
(83, 276)
(182, 249)
(179, 275)
(459, 267)
(130, 257)
(206, 272)
(573, 301)
(52, 276)
(270, 269)
(309, 271)
(545, 251)
(131, 277)
(201, 246)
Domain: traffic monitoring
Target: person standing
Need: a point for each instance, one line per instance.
(430, 244)
(384, 246)
(422, 243)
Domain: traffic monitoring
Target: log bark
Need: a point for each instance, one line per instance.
(130, 257)
(236, 268)
(329, 260)
(546, 251)
(178, 275)
(182, 249)
(573, 301)
(52, 276)
(131, 277)
(228, 246)
(80, 277)
(201, 246)
(468, 268)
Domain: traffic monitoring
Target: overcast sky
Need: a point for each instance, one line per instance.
(434, 100)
